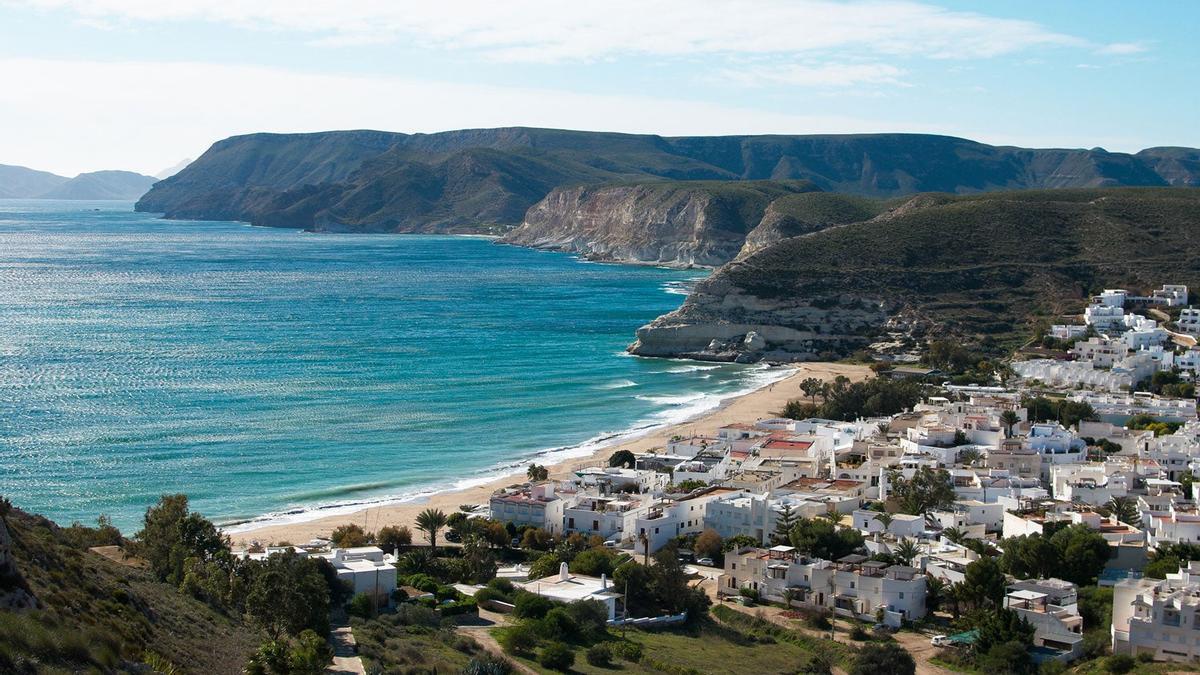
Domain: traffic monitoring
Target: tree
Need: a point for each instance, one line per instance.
(1009, 419)
(968, 456)
(392, 538)
(820, 538)
(171, 534)
(622, 458)
(431, 521)
(708, 544)
(1001, 626)
(936, 591)
(811, 386)
(984, 583)
(1007, 657)
(1124, 510)
(1084, 553)
(906, 551)
(289, 593)
(887, 658)
(954, 535)
(537, 472)
(1032, 556)
(785, 519)
(885, 519)
(349, 536)
(928, 489)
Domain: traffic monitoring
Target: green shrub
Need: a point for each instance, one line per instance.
(557, 625)
(487, 664)
(857, 633)
(485, 595)
(629, 651)
(600, 655)
(528, 605)
(502, 585)
(818, 621)
(1119, 664)
(465, 606)
(520, 639)
(557, 656)
(360, 605)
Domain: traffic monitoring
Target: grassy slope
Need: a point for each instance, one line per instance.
(97, 614)
(982, 264)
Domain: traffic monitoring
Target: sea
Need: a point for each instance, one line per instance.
(275, 375)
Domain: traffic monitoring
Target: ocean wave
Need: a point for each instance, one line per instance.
(668, 399)
(691, 369)
(619, 384)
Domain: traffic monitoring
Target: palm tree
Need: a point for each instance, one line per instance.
(1123, 509)
(884, 519)
(430, 521)
(968, 456)
(789, 596)
(832, 516)
(1009, 419)
(537, 472)
(645, 541)
(935, 592)
(906, 551)
(954, 535)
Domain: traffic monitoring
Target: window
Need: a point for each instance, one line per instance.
(902, 595)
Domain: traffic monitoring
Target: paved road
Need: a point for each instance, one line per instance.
(346, 660)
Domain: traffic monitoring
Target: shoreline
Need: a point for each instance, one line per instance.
(749, 407)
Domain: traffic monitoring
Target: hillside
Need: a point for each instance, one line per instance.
(95, 615)
(375, 181)
(102, 185)
(977, 267)
(693, 222)
(18, 182)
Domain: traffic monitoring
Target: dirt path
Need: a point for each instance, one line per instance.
(482, 633)
(346, 660)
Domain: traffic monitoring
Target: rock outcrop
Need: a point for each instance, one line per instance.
(694, 223)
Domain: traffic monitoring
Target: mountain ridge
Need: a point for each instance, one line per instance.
(476, 179)
(19, 182)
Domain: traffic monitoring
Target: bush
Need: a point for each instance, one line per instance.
(487, 664)
(531, 605)
(1119, 663)
(361, 606)
(485, 595)
(465, 606)
(421, 582)
(557, 625)
(818, 621)
(630, 651)
(557, 656)
(857, 633)
(600, 655)
(502, 585)
(446, 593)
(520, 639)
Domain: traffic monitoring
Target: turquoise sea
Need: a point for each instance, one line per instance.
(273, 373)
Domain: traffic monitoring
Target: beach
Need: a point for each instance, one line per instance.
(746, 409)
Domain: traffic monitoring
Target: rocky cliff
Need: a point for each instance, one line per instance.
(978, 268)
(373, 181)
(678, 223)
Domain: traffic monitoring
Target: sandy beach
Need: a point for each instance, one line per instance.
(748, 408)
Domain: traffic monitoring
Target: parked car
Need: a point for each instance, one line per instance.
(707, 562)
(612, 543)
(516, 543)
(940, 641)
(882, 628)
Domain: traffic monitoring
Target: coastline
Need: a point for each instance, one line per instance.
(749, 407)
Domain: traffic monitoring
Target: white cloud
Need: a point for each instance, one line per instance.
(554, 31)
(815, 75)
(1122, 49)
(72, 116)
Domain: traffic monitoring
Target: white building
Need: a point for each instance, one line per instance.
(1189, 321)
(566, 588)
(1101, 352)
(535, 505)
(1104, 318)
(1160, 618)
(1171, 295)
(852, 586)
(1051, 606)
(1067, 331)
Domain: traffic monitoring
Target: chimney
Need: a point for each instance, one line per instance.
(604, 582)
(563, 574)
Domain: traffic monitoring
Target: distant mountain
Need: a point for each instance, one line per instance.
(174, 169)
(102, 185)
(980, 269)
(372, 181)
(18, 182)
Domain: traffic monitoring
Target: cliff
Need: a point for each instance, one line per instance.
(976, 268)
(372, 181)
(690, 223)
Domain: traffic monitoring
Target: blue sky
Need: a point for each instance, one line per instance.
(141, 84)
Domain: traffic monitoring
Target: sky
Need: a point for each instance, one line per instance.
(142, 84)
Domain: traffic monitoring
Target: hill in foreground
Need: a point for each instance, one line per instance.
(67, 609)
(468, 180)
(978, 267)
